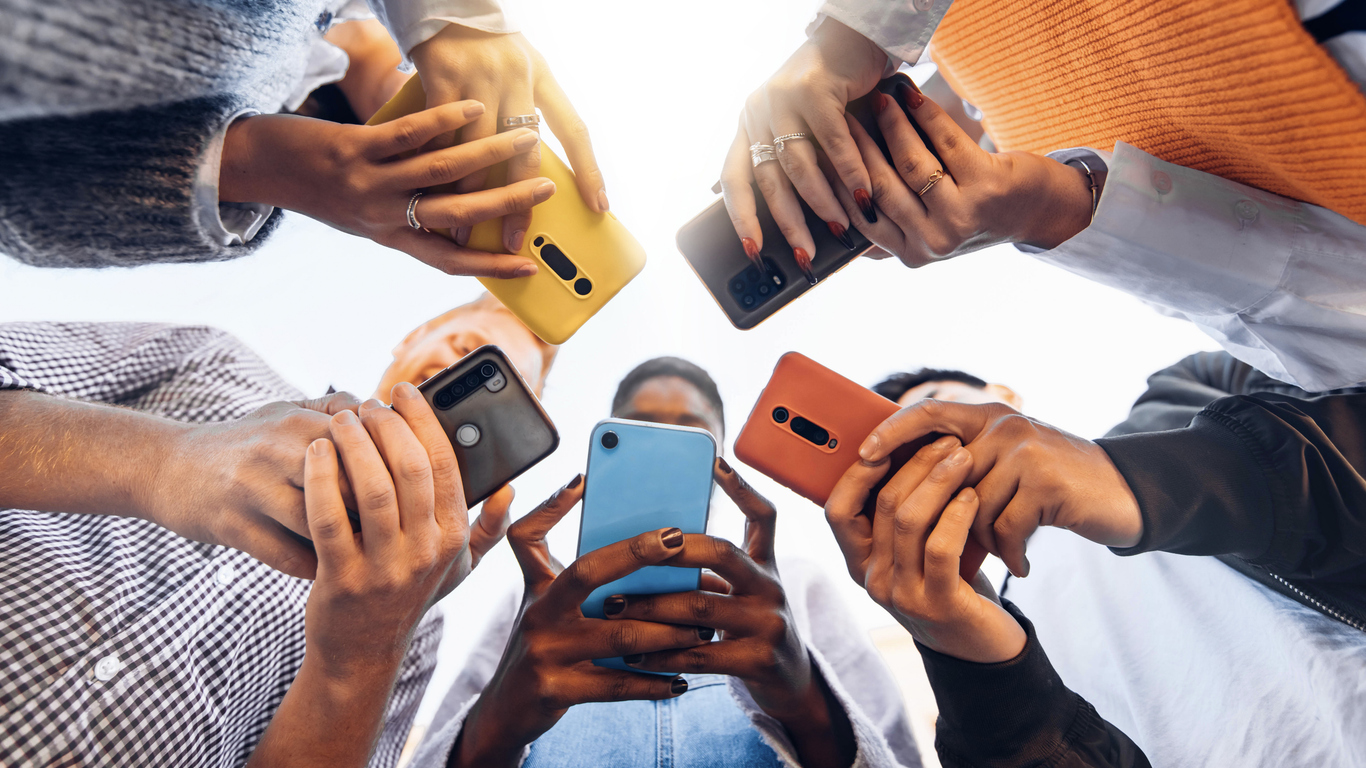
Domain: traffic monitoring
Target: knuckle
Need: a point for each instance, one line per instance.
(406, 135)
(907, 165)
(330, 528)
(377, 497)
(768, 185)
(415, 470)
(906, 602)
(939, 552)
(887, 500)
(443, 464)
(639, 550)
(623, 638)
(700, 608)
(948, 143)
(441, 168)
(905, 525)
(693, 661)
(620, 689)
(578, 577)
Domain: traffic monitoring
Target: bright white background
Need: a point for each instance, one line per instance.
(660, 86)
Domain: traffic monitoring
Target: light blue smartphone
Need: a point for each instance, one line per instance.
(643, 477)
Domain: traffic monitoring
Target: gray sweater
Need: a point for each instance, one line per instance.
(106, 109)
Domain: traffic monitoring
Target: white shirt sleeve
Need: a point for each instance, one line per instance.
(902, 28)
(226, 223)
(1278, 283)
(413, 22)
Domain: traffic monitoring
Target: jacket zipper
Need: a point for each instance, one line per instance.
(1349, 621)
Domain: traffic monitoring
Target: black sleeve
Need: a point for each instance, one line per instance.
(111, 188)
(1019, 713)
(1175, 394)
(1274, 479)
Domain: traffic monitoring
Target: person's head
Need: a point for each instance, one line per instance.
(439, 342)
(940, 384)
(668, 390)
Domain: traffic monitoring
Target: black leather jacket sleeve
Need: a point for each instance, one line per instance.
(1018, 713)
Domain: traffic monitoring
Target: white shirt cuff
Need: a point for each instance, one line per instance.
(902, 29)
(227, 224)
(413, 22)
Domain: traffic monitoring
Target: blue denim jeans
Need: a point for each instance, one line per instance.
(700, 729)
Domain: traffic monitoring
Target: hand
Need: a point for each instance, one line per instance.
(241, 483)
(908, 559)
(760, 644)
(807, 94)
(547, 665)
(359, 179)
(372, 74)
(1026, 473)
(509, 76)
(981, 200)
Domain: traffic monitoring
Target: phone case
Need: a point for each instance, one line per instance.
(585, 258)
(496, 425)
(712, 248)
(806, 429)
(655, 476)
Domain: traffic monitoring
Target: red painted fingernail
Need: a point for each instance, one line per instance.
(751, 249)
(914, 98)
(841, 234)
(804, 264)
(865, 204)
(880, 103)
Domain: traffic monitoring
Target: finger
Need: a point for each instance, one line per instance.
(612, 562)
(272, 544)
(526, 537)
(710, 582)
(572, 132)
(761, 517)
(436, 251)
(726, 657)
(519, 100)
(884, 232)
(944, 548)
(331, 404)
(447, 211)
(890, 193)
(994, 492)
(409, 467)
(492, 524)
(599, 638)
(956, 149)
(593, 684)
(376, 499)
(444, 166)
(826, 121)
(694, 609)
(728, 560)
(737, 191)
(844, 513)
(448, 492)
(411, 132)
(918, 514)
(782, 200)
(962, 420)
(915, 164)
(799, 162)
(912, 474)
(328, 525)
(1013, 529)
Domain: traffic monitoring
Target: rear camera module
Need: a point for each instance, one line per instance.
(780, 415)
(444, 399)
(809, 431)
(753, 288)
(472, 380)
(609, 440)
(487, 370)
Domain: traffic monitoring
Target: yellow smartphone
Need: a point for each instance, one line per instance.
(585, 258)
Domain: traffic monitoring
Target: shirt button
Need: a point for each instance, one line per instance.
(1246, 210)
(1162, 182)
(226, 574)
(106, 668)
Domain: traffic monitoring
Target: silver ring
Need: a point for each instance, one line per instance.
(520, 121)
(412, 211)
(779, 141)
(761, 153)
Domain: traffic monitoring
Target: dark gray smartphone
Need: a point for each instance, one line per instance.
(496, 425)
(745, 293)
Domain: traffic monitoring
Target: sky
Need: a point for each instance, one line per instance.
(660, 86)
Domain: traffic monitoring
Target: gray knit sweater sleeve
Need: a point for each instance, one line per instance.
(111, 188)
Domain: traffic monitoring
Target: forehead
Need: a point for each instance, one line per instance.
(955, 391)
(670, 391)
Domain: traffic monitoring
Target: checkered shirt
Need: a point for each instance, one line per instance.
(121, 643)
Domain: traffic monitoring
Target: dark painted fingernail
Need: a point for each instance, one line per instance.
(724, 466)
(679, 685)
(912, 97)
(865, 205)
(705, 634)
(880, 103)
(672, 538)
(841, 234)
(634, 658)
(803, 260)
(575, 482)
(614, 605)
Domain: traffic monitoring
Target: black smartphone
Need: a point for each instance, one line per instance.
(496, 425)
(747, 295)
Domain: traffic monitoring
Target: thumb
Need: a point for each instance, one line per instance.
(491, 525)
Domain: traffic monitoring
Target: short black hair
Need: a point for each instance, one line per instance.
(669, 366)
(898, 384)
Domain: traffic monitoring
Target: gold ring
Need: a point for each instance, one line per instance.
(934, 179)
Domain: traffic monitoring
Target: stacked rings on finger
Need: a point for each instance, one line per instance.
(412, 212)
(519, 121)
(934, 179)
(780, 141)
(761, 153)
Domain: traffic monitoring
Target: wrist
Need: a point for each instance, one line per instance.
(1063, 209)
(847, 50)
(238, 177)
(998, 640)
(482, 742)
(156, 476)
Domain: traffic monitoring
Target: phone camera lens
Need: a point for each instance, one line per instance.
(538, 242)
(609, 440)
(738, 286)
(583, 286)
(472, 380)
(487, 370)
(444, 399)
(780, 415)
(748, 301)
(764, 289)
(457, 390)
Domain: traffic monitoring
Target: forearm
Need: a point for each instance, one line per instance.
(819, 728)
(372, 76)
(327, 718)
(484, 741)
(59, 455)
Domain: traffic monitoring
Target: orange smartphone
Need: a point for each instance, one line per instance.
(806, 429)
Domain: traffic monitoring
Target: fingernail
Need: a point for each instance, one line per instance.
(572, 484)
(752, 251)
(602, 200)
(912, 97)
(634, 658)
(865, 205)
(945, 443)
(515, 242)
(869, 448)
(462, 236)
(1026, 568)
(679, 685)
(371, 404)
(526, 270)
(957, 457)
(525, 141)
(705, 634)
(316, 447)
(614, 605)
(803, 260)
(967, 495)
(405, 390)
(474, 109)
(724, 466)
(345, 417)
(841, 234)
(672, 538)
(880, 103)
(545, 189)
